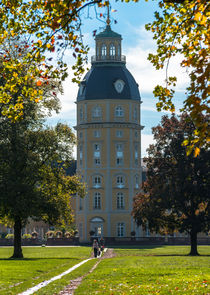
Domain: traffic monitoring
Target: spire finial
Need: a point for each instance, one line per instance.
(108, 18)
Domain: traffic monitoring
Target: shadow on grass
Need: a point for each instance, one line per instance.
(146, 247)
(151, 247)
(177, 255)
(41, 258)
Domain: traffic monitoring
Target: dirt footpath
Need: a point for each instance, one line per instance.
(69, 290)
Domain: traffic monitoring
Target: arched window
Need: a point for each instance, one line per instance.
(96, 113)
(120, 201)
(112, 50)
(119, 112)
(97, 181)
(120, 181)
(97, 201)
(103, 50)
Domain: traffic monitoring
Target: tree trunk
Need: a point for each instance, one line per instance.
(17, 239)
(193, 240)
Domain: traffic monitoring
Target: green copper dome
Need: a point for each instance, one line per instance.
(108, 33)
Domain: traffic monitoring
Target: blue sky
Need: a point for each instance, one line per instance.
(136, 45)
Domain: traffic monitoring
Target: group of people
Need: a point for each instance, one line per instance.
(98, 247)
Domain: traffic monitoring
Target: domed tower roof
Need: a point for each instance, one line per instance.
(108, 33)
(108, 77)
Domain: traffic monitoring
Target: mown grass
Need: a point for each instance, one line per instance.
(38, 265)
(143, 270)
(151, 270)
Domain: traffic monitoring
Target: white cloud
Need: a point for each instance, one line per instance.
(146, 140)
(143, 71)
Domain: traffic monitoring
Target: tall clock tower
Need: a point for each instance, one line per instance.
(109, 142)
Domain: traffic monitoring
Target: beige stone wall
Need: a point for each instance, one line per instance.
(108, 125)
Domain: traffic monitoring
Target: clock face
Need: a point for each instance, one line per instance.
(119, 85)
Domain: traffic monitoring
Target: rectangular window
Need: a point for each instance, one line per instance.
(121, 229)
(97, 201)
(97, 154)
(80, 155)
(80, 203)
(136, 153)
(120, 201)
(119, 133)
(119, 154)
(136, 181)
(80, 230)
(97, 161)
(119, 161)
(97, 133)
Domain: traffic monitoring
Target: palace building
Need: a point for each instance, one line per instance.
(109, 142)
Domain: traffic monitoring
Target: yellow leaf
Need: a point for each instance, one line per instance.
(197, 16)
(196, 152)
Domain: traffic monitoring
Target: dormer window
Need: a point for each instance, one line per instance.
(103, 50)
(112, 50)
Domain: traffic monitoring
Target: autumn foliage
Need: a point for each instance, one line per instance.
(182, 28)
(175, 195)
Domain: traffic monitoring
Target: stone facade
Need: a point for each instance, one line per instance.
(109, 143)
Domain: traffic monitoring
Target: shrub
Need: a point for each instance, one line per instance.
(26, 236)
(9, 236)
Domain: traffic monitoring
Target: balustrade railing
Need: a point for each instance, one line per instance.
(108, 58)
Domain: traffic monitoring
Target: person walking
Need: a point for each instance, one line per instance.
(102, 244)
(95, 248)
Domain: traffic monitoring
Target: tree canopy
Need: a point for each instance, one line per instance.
(50, 27)
(34, 157)
(175, 195)
(183, 29)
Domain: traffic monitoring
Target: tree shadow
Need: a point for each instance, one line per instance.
(41, 258)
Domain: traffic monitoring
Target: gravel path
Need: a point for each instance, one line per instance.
(69, 289)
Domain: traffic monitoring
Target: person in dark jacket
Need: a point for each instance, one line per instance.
(102, 244)
(95, 248)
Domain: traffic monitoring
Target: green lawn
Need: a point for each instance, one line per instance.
(146, 270)
(151, 270)
(39, 264)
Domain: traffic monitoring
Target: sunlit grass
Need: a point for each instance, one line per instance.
(151, 270)
(134, 270)
(38, 265)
